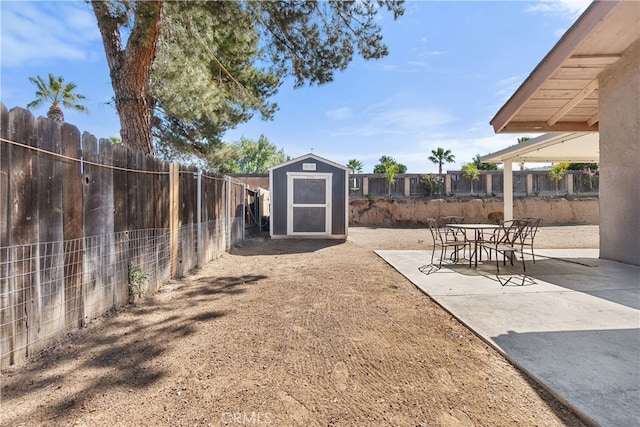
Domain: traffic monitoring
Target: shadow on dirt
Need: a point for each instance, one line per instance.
(223, 285)
(264, 245)
(119, 362)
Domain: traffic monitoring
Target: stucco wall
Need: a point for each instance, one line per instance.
(619, 114)
(385, 212)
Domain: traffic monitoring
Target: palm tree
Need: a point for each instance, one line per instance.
(557, 172)
(56, 92)
(440, 156)
(471, 172)
(391, 168)
(355, 165)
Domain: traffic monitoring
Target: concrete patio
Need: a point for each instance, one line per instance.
(575, 330)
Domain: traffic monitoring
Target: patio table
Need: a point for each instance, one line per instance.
(478, 231)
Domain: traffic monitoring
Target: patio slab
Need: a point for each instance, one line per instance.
(576, 330)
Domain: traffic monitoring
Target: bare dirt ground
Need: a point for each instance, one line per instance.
(286, 333)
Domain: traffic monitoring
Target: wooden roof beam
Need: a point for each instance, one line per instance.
(593, 120)
(593, 85)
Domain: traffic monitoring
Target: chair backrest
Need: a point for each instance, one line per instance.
(510, 231)
(530, 230)
(436, 232)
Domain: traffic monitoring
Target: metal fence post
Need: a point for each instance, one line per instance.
(228, 214)
(200, 244)
(244, 209)
(174, 224)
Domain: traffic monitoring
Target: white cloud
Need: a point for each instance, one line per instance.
(560, 32)
(412, 119)
(341, 113)
(507, 86)
(68, 30)
(381, 120)
(569, 8)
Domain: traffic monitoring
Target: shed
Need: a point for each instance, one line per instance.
(309, 199)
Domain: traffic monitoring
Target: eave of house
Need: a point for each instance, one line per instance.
(573, 147)
(561, 94)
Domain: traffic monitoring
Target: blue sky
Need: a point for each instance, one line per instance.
(451, 66)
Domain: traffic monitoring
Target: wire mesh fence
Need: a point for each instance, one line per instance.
(50, 289)
(80, 214)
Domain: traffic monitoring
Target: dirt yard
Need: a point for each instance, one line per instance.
(286, 333)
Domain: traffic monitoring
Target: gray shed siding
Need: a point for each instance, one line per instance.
(338, 195)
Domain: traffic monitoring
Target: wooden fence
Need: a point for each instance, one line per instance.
(78, 213)
(527, 183)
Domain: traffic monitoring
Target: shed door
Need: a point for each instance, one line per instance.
(308, 203)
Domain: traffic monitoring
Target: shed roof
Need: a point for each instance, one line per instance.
(561, 93)
(312, 157)
(573, 147)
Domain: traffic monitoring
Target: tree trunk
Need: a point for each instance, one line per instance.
(130, 68)
(55, 113)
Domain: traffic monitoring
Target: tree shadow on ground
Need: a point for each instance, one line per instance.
(229, 285)
(113, 362)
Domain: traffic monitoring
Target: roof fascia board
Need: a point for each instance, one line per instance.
(514, 150)
(537, 127)
(519, 152)
(591, 17)
(541, 159)
(313, 157)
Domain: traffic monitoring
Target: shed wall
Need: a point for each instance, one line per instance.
(338, 195)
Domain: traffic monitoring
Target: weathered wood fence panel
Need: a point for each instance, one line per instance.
(6, 307)
(72, 226)
(76, 213)
(214, 199)
(50, 233)
(23, 231)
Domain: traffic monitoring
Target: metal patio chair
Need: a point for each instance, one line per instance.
(453, 235)
(440, 241)
(529, 234)
(507, 240)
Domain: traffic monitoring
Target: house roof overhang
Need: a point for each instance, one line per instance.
(573, 147)
(561, 94)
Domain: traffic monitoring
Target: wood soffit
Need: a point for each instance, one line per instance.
(561, 94)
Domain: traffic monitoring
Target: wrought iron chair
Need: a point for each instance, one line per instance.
(507, 240)
(529, 234)
(453, 235)
(440, 241)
